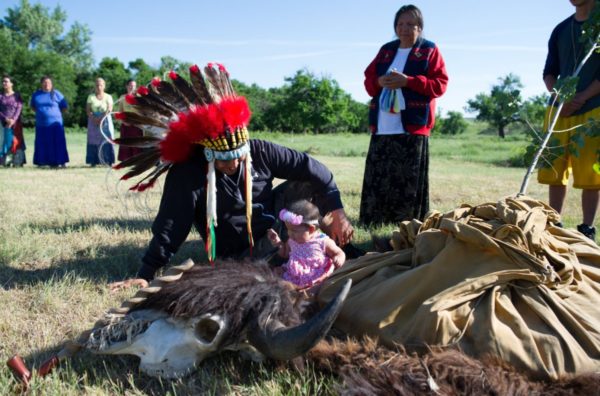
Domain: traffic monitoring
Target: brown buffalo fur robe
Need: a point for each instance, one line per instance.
(236, 290)
(367, 368)
(241, 290)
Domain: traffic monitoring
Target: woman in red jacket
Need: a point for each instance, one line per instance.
(404, 79)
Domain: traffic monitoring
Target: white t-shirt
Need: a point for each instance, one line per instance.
(391, 123)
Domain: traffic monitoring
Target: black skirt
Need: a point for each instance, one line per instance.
(396, 181)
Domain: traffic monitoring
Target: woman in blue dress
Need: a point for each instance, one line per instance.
(50, 143)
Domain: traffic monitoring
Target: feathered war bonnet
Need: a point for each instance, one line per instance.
(175, 115)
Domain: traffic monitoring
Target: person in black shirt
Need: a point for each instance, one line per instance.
(183, 202)
(218, 179)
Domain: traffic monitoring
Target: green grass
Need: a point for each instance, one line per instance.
(65, 233)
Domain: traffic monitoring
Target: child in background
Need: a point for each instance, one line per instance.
(312, 255)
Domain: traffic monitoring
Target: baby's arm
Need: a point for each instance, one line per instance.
(333, 251)
(284, 250)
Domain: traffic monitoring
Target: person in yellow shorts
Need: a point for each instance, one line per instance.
(565, 52)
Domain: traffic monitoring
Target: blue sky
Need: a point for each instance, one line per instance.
(264, 41)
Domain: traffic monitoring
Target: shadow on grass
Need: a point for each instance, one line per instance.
(107, 263)
(120, 373)
(125, 224)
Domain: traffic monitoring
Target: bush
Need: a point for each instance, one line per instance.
(453, 124)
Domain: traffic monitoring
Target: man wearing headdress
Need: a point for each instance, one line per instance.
(219, 180)
(183, 202)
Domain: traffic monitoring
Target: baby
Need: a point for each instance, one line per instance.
(312, 255)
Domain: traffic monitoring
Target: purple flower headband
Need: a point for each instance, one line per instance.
(294, 219)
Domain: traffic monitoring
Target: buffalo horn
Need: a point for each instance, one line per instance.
(281, 343)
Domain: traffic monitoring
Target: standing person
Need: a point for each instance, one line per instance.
(98, 107)
(219, 180)
(403, 80)
(565, 52)
(12, 150)
(127, 130)
(50, 143)
(312, 254)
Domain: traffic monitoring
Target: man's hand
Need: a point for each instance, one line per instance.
(573, 105)
(126, 284)
(340, 229)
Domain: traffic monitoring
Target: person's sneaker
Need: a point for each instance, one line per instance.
(588, 231)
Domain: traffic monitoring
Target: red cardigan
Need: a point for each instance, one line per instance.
(429, 82)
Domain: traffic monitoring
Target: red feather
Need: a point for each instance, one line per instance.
(208, 122)
(143, 90)
(131, 99)
(235, 112)
(176, 147)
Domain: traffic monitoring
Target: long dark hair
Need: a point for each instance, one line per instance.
(306, 209)
(47, 77)
(410, 9)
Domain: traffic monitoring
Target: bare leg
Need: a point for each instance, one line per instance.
(589, 204)
(556, 196)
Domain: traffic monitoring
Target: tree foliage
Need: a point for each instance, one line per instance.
(35, 43)
(501, 107)
(37, 28)
(533, 110)
(453, 124)
(141, 71)
(307, 103)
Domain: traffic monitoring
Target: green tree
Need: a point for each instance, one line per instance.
(453, 124)
(168, 63)
(113, 71)
(500, 108)
(260, 101)
(8, 49)
(32, 44)
(533, 110)
(76, 46)
(34, 26)
(310, 104)
(38, 28)
(141, 71)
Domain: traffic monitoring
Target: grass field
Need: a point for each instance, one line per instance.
(65, 233)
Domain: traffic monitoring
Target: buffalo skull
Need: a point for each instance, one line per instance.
(231, 306)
